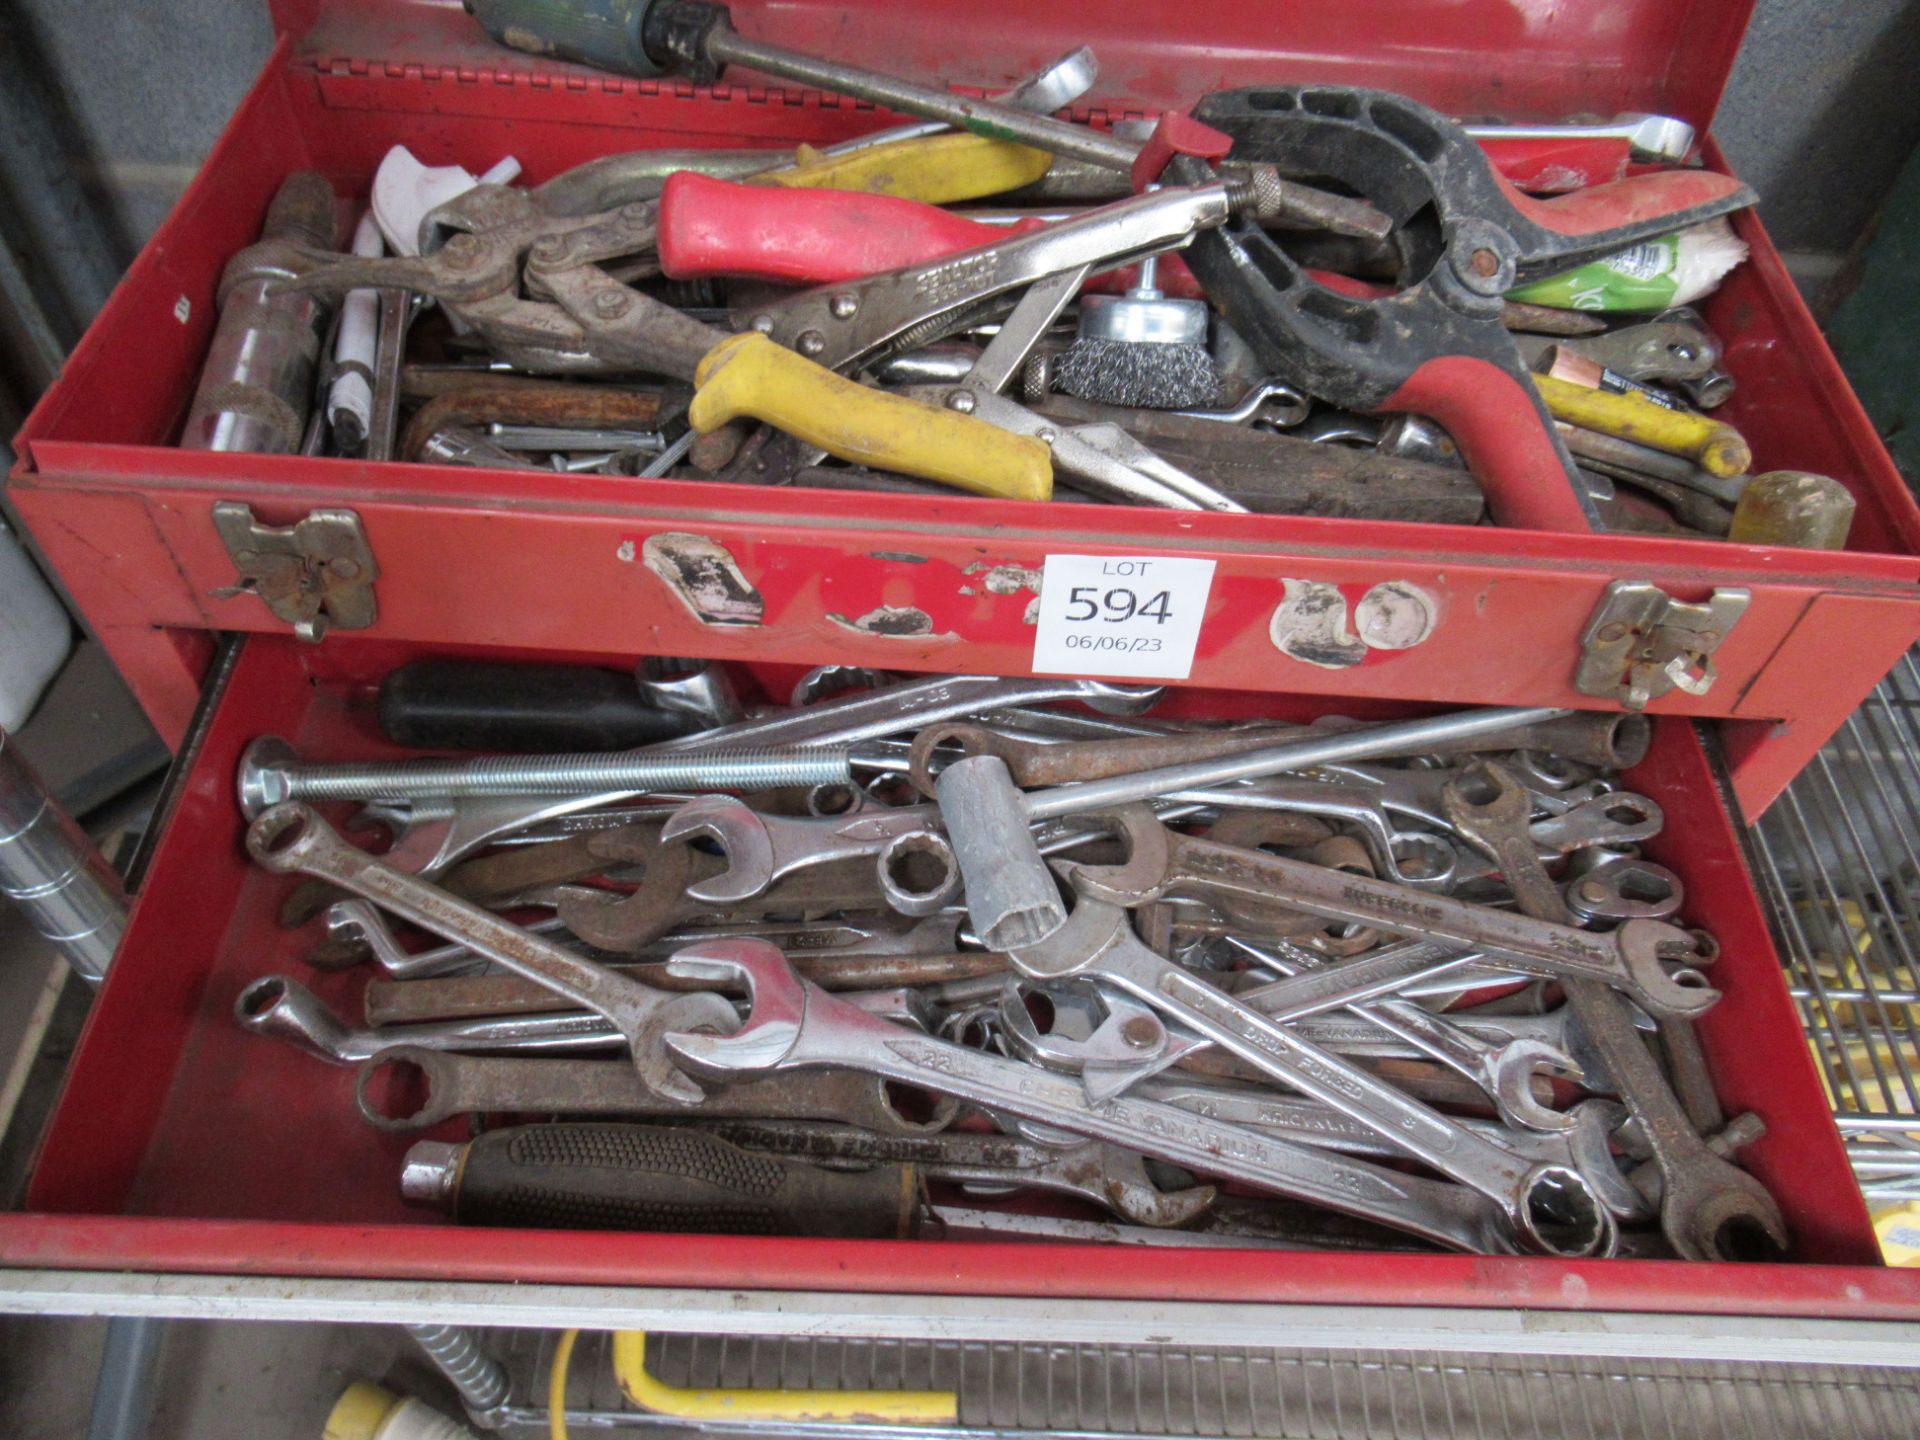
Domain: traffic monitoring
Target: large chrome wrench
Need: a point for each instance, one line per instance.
(1710, 1209)
(441, 837)
(1585, 1145)
(1163, 862)
(1552, 1207)
(292, 838)
(1504, 1070)
(792, 1025)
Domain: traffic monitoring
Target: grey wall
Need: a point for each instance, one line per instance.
(1820, 116)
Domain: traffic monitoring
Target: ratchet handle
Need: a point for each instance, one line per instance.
(481, 705)
(670, 1178)
(1506, 437)
(749, 375)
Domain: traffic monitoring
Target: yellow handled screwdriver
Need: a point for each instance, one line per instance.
(1715, 446)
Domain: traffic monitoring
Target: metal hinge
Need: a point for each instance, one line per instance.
(1641, 642)
(315, 574)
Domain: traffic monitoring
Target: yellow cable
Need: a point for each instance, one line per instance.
(557, 1385)
(900, 1407)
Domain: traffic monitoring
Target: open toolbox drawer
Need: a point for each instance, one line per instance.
(566, 563)
(184, 1144)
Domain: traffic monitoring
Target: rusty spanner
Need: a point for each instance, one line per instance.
(792, 1025)
(408, 1088)
(1709, 1209)
(291, 837)
(1163, 862)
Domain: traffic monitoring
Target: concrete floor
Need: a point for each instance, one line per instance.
(217, 1380)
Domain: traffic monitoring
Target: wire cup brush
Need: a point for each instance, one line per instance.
(1141, 349)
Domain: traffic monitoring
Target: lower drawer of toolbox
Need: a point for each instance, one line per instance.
(184, 1143)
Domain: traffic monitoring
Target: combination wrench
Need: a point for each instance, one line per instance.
(292, 838)
(792, 1025)
(1551, 1206)
(1627, 959)
(760, 849)
(1709, 1209)
(1504, 1070)
(1586, 1142)
(408, 1088)
(1163, 862)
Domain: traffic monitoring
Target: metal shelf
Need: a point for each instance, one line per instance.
(1839, 860)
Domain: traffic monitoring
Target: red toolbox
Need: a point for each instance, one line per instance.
(470, 556)
(184, 1145)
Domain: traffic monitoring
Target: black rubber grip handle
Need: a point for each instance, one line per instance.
(658, 1177)
(487, 705)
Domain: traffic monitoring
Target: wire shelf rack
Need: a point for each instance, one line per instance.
(1839, 859)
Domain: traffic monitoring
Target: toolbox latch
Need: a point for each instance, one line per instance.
(1641, 642)
(315, 574)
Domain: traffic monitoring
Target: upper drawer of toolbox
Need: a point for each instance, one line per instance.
(590, 564)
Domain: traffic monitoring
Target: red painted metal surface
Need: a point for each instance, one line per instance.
(181, 1142)
(540, 562)
(1474, 59)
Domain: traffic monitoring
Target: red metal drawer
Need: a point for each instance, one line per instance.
(471, 557)
(184, 1144)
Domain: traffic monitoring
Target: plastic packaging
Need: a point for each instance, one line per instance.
(1652, 276)
(35, 634)
(350, 398)
(405, 192)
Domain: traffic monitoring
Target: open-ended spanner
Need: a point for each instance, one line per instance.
(291, 837)
(1163, 862)
(408, 1088)
(1504, 1070)
(1113, 1178)
(791, 1025)
(446, 833)
(1709, 1209)
(757, 852)
(1550, 1206)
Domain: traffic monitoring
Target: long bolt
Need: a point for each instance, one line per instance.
(270, 773)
